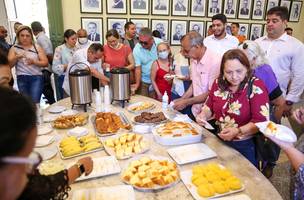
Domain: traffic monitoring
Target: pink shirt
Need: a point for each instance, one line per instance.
(117, 58)
(203, 74)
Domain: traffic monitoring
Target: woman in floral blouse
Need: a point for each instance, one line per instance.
(229, 104)
(62, 56)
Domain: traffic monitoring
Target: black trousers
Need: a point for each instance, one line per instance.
(47, 90)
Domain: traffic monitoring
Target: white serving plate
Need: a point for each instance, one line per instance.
(49, 117)
(186, 178)
(235, 197)
(47, 153)
(56, 109)
(142, 129)
(169, 140)
(102, 166)
(156, 188)
(78, 131)
(69, 112)
(139, 111)
(283, 133)
(44, 129)
(191, 153)
(111, 152)
(44, 140)
(123, 118)
(119, 192)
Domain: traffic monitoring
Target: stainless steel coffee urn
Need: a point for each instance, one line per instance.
(80, 80)
(120, 85)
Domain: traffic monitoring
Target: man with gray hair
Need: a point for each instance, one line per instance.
(145, 53)
(205, 68)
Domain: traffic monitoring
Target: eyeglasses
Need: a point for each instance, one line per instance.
(32, 162)
(143, 43)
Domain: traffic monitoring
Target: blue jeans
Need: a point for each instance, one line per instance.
(31, 85)
(59, 82)
(246, 148)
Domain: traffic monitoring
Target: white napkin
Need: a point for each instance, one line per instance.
(178, 86)
(182, 118)
(142, 129)
(78, 131)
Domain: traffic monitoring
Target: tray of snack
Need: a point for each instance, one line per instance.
(70, 121)
(149, 118)
(107, 123)
(211, 180)
(103, 166)
(126, 145)
(141, 106)
(148, 173)
(117, 192)
(277, 131)
(72, 146)
(176, 133)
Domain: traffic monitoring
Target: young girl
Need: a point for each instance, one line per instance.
(161, 71)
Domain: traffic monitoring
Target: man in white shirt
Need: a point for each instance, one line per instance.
(91, 57)
(82, 39)
(285, 54)
(220, 41)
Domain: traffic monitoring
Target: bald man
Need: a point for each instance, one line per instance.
(82, 41)
(4, 46)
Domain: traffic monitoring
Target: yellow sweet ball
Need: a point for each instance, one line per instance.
(233, 183)
(225, 174)
(197, 169)
(203, 191)
(200, 181)
(220, 187)
(212, 177)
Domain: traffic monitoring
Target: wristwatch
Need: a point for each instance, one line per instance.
(289, 103)
(80, 167)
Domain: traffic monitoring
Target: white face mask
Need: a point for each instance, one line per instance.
(163, 54)
(82, 40)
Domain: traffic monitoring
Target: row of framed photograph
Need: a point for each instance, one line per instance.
(170, 30)
(241, 9)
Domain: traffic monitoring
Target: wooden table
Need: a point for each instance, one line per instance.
(257, 187)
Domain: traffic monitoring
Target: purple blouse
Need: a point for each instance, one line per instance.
(265, 73)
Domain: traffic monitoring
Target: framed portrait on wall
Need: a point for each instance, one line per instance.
(286, 3)
(160, 7)
(271, 4)
(208, 24)
(180, 7)
(94, 27)
(230, 8)
(244, 30)
(178, 29)
(116, 6)
(256, 31)
(258, 10)
(140, 23)
(161, 25)
(295, 11)
(245, 9)
(118, 24)
(139, 7)
(214, 7)
(91, 6)
(198, 26)
(228, 28)
(197, 8)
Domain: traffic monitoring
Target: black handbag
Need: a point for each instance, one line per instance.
(266, 150)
